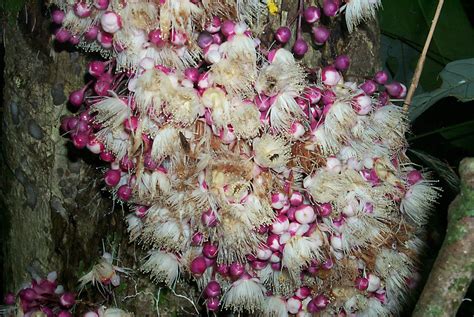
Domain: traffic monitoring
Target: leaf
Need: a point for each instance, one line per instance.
(411, 19)
(461, 136)
(441, 168)
(458, 81)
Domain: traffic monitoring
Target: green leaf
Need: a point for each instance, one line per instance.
(458, 81)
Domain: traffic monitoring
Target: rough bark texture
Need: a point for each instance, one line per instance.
(453, 269)
(54, 215)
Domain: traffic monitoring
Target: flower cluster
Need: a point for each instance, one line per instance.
(44, 297)
(277, 194)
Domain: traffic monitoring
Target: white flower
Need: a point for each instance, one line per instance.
(360, 10)
(271, 151)
(245, 294)
(245, 119)
(163, 267)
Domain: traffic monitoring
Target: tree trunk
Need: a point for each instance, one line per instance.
(54, 214)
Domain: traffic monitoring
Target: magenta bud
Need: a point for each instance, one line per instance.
(300, 47)
(283, 34)
(213, 289)
(124, 192)
(394, 89)
(82, 9)
(369, 87)
(192, 74)
(276, 266)
(210, 251)
(228, 28)
(28, 295)
(62, 35)
(205, 39)
(126, 164)
(330, 76)
(198, 266)
(321, 301)
(107, 156)
(312, 14)
(361, 283)
(330, 7)
(101, 4)
(303, 292)
(149, 163)
(80, 139)
(112, 177)
(197, 238)
(381, 77)
(141, 211)
(327, 265)
(236, 269)
(414, 177)
(259, 265)
(96, 68)
(320, 34)
(64, 313)
(342, 62)
(57, 16)
(91, 33)
(9, 299)
(67, 299)
(155, 37)
(76, 98)
(212, 303)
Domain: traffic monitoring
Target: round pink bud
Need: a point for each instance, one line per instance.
(330, 76)
(283, 34)
(198, 266)
(212, 304)
(112, 177)
(303, 292)
(304, 214)
(101, 4)
(228, 28)
(381, 77)
(209, 218)
(273, 242)
(414, 177)
(293, 305)
(362, 104)
(300, 47)
(213, 289)
(222, 269)
(320, 34)
(80, 139)
(330, 7)
(205, 39)
(296, 199)
(91, 33)
(210, 250)
(96, 68)
(156, 38)
(111, 22)
(280, 224)
(321, 301)
(236, 269)
(62, 35)
(312, 14)
(9, 298)
(214, 25)
(361, 283)
(67, 299)
(369, 87)
(342, 62)
(124, 192)
(394, 89)
(57, 16)
(82, 9)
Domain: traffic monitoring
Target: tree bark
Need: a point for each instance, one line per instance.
(54, 214)
(453, 269)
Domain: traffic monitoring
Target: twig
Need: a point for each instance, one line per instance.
(421, 61)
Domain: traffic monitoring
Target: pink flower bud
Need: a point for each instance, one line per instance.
(300, 47)
(112, 177)
(381, 77)
(361, 283)
(213, 289)
(330, 7)
(369, 87)
(320, 34)
(296, 199)
(304, 214)
(210, 250)
(67, 300)
(330, 76)
(82, 9)
(111, 22)
(236, 269)
(57, 16)
(209, 218)
(280, 225)
(342, 62)
(362, 104)
(212, 304)
(283, 34)
(312, 14)
(414, 177)
(273, 242)
(124, 192)
(198, 266)
(293, 305)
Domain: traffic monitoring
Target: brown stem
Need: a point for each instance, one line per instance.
(421, 61)
(453, 269)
